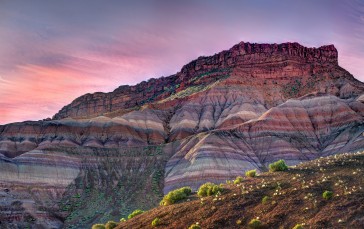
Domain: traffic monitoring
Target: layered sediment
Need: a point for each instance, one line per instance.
(219, 116)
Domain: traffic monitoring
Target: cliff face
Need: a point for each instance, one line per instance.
(263, 61)
(219, 116)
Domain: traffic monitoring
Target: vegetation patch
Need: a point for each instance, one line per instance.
(195, 226)
(255, 224)
(209, 189)
(156, 222)
(278, 166)
(292, 89)
(327, 195)
(298, 226)
(176, 195)
(98, 226)
(251, 173)
(238, 180)
(111, 225)
(265, 199)
(135, 213)
(102, 194)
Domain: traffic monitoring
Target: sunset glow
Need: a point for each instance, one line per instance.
(51, 52)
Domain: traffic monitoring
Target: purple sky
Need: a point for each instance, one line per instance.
(54, 51)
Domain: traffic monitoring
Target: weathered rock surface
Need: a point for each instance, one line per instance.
(219, 116)
(297, 130)
(254, 64)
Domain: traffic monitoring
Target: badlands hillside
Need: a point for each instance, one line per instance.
(106, 154)
(277, 199)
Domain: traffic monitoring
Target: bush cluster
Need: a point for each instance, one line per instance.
(255, 223)
(251, 173)
(110, 225)
(195, 226)
(278, 166)
(265, 199)
(135, 213)
(238, 180)
(209, 189)
(298, 226)
(327, 195)
(176, 195)
(98, 226)
(156, 222)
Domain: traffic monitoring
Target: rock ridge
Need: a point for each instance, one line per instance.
(254, 53)
(257, 60)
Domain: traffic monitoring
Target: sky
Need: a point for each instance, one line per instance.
(52, 51)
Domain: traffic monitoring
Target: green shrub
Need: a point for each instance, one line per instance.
(110, 225)
(278, 166)
(265, 199)
(238, 180)
(98, 226)
(176, 195)
(135, 213)
(208, 189)
(327, 195)
(298, 226)
(255, 223)
(251, 173)
(122, 220)
(156, 222)
(186, 190)
(195, 226)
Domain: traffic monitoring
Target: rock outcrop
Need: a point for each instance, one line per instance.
(252, 62)
(219, 116)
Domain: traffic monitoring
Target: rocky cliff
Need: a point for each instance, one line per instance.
(218, 117)
(262, 61)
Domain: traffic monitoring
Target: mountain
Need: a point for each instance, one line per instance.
(100, 156)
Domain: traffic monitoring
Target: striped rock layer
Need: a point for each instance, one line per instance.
(221, 115)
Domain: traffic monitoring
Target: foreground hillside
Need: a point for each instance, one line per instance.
(293, 197)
